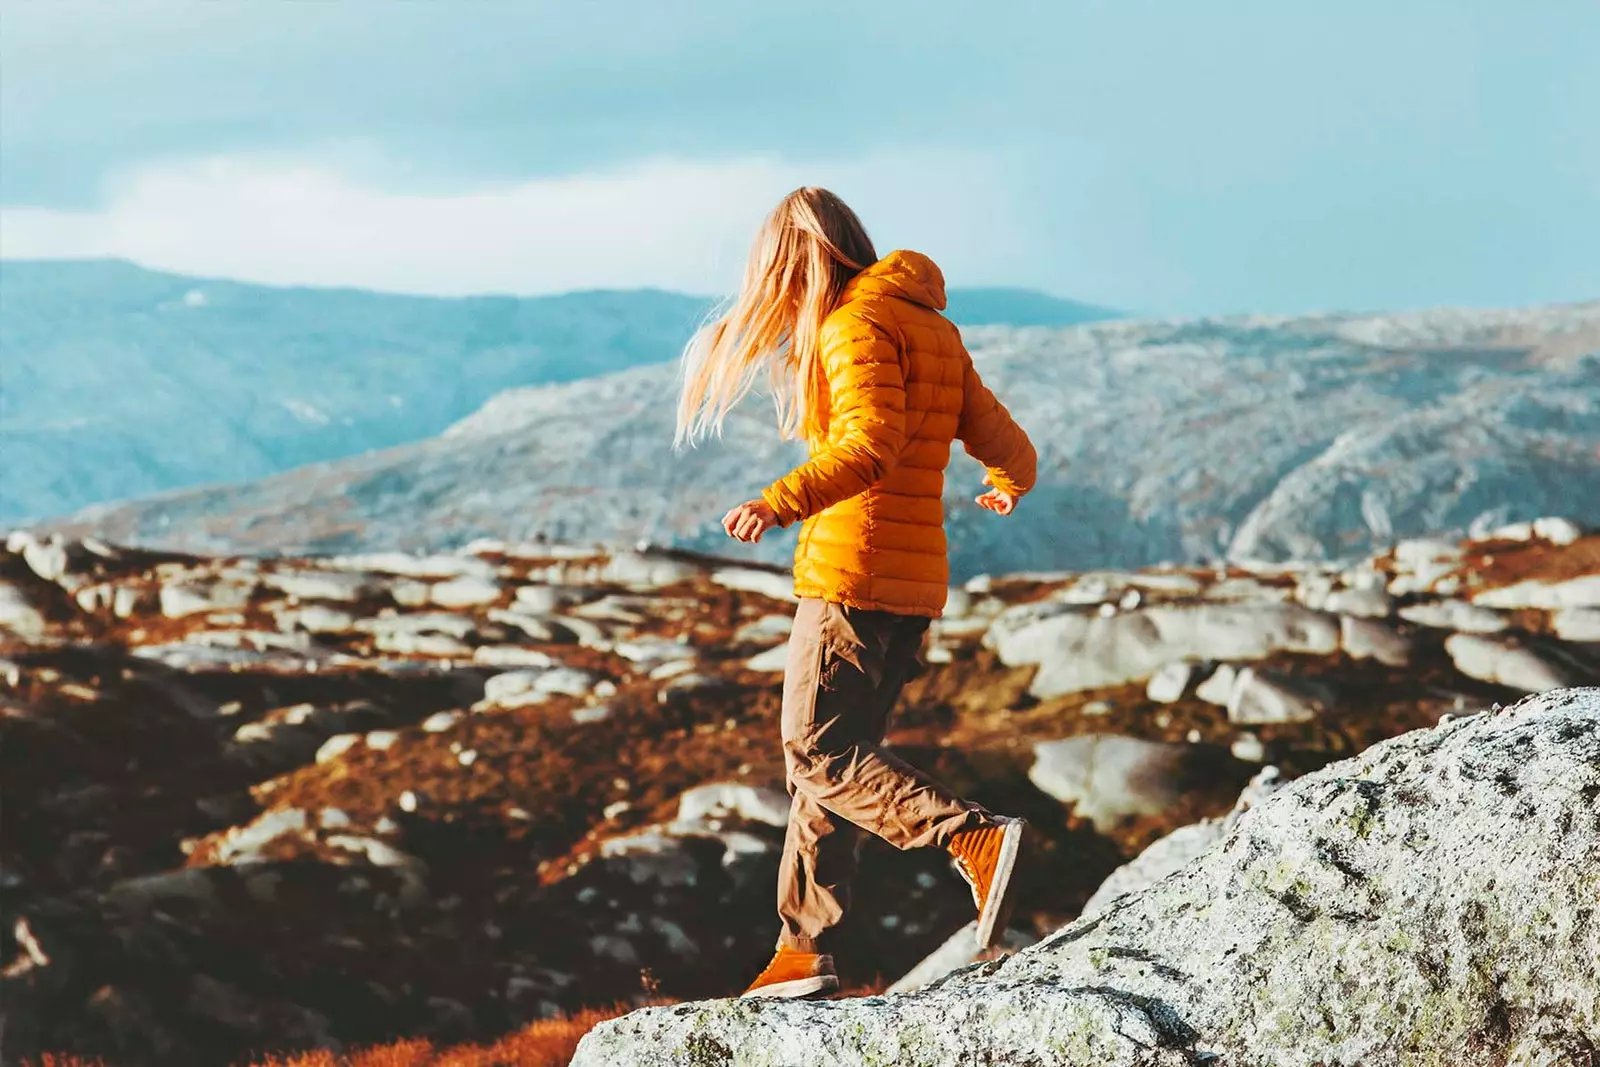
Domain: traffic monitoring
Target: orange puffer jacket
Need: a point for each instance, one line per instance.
(901, 388)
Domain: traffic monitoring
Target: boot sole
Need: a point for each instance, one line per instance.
(795, 989)
(997, 913)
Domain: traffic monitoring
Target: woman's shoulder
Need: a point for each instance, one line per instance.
(862, 309)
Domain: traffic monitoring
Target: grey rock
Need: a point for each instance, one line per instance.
(432, 645)
(1219, 686)
(440, 721)
(718, 800)
(336, 746)
(339, 586)
(688, 686)
(1169, 683)
(46, 558)
(1260, 698)
(535, 685)
(1372, 603)
(1107, 777)
(1364, 638)
(1581, 592)
(772, 661)
(244, 844)
(645, 571)
(534, 627)
(628, 610)
(94, 599)
(259, 640)
(18, 614)
(192, 598)
(765, 630)
(198, 656)
(503, 656)
(126, 600)
(1507, 663)
(513, 687)
(1457, 615)
(1557, 531)
(467, 591)
(647, 653)
(315, 619)
(1576, 624)
(774, 585)
(1247, 747)
(540, 599)
(411, 594)
(1078, 650)
(1458, 865)
(586, 632)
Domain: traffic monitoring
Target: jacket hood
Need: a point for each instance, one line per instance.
(909, 275)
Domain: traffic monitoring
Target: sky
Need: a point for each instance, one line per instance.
(1175, 157)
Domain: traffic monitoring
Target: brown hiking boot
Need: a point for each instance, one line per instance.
(986, 857)
(795, 974)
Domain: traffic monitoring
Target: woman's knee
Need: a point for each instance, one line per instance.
(810, 761)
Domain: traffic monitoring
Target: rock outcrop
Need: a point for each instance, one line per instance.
(1431, 901)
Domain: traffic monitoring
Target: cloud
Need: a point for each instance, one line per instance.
(679, 224)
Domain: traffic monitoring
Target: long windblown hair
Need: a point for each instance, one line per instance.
(810, 246)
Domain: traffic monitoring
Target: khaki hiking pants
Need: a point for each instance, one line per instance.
(846, 669)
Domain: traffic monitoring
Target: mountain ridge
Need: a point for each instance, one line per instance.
(104, 357)
(1181, 440)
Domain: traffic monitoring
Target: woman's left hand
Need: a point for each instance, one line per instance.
(750, 520)
(996, 500)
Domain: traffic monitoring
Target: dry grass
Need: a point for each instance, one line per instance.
(547, 1043)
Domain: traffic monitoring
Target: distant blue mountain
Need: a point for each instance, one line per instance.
(118, 382)
(1020, 307)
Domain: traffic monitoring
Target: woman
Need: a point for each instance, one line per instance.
(866, 369)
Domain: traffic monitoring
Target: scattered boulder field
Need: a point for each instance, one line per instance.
(268, 803)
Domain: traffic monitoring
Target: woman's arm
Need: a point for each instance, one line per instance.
(866, 418)
(992, 437)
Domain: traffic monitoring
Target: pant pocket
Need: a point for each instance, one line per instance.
(851, 642)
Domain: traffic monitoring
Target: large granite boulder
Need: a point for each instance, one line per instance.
(1431, 901)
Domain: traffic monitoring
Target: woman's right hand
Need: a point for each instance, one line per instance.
(750, 520)
(996, 500)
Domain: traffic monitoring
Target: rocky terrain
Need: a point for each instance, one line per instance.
(1323, 437)
(103, 358)
(1431, 901)
(252, 804)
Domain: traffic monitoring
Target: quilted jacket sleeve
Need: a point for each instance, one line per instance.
(866, 420)
(992, 437)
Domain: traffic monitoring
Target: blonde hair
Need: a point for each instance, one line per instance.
(810, 246)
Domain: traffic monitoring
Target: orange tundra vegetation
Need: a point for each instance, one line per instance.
(546, 1043)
